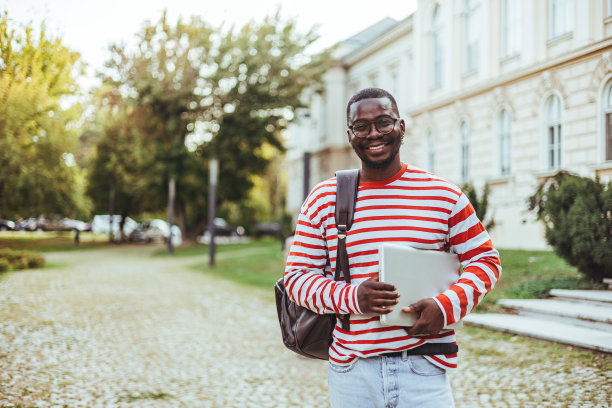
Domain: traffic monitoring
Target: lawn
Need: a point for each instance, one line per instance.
(526, 274)
(50, 241)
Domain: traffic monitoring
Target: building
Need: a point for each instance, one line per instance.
(503, 92)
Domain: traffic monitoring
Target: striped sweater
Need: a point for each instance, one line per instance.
(412, 208)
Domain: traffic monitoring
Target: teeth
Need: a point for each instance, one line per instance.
(379, 147)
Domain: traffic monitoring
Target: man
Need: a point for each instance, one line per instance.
(372, 365)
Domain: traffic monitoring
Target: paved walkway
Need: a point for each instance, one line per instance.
(117, 328)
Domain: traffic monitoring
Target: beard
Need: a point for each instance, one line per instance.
(382, 164)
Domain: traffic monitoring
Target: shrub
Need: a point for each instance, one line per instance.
(4, 265)
(577, 212)
(21, 259)
(480, 204)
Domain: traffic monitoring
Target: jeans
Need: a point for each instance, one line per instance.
(389, 382)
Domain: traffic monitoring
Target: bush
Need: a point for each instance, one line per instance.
(20, 259)
(577, 212)
(480, 204)
(4, 265)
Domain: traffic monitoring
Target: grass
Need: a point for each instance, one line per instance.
(526, 274)
(531, 274)
(258, 263)
(51, 241)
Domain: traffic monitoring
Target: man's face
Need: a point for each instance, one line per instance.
(376, 150)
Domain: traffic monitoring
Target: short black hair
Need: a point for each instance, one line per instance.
(370, 93)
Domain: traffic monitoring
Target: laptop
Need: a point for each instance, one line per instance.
(417, 274)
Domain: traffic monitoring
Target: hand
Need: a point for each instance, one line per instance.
(430, 319)
(376, 297)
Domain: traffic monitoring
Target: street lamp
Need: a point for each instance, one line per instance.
(212, 194)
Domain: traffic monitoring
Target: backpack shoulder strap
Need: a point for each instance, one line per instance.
(347, 182)
(347, 185)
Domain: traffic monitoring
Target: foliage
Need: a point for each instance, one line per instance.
(52, 241)
(37, 126)
(20, 259)
(531, 274)
(207, 92)
(480, 204)
(577, 212)
(258, 264)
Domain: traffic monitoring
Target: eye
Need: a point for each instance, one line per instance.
(384, 122)
(361, 127)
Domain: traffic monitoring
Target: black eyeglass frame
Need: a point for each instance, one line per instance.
(395, 120)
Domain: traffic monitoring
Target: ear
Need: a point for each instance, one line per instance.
(348, 135)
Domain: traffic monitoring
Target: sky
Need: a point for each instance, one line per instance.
(89, 27)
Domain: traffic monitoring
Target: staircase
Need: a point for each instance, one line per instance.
(582, 318)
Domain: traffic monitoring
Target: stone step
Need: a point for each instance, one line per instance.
(588, 311)
(590, 295)
(544, 329)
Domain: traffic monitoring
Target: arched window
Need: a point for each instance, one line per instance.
(553, 132)
(436, 47)
(504, 143)
(431, 152)
(607, 114)
(464, 131)
(471, 37)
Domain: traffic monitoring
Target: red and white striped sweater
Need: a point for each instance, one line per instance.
(413, 208)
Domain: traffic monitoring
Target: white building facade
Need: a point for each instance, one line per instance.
(498, 92)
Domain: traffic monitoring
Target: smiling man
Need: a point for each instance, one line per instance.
(371, 365)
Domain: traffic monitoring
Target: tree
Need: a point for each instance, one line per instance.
(577, 212)
(480, 204)
(213, 93)
(119, 174)
(38, 173)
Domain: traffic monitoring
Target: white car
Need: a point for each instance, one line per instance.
(101, 225)
(157, 230)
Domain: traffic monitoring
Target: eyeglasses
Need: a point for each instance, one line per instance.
(384, 125)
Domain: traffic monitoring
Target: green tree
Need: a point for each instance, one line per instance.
(480, 202)
(38, 173)
(577, 212)
(119, 175)
(213, 93)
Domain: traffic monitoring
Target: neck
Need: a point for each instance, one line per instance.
(368, 174)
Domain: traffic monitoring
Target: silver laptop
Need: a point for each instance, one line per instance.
(417, 274)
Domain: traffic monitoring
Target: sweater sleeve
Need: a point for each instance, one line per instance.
(305, 279)
(479, 259)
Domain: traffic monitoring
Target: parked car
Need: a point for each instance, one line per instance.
(223, 229)
(270, 229)
(29, 224)
(156, 230)
(101, 225)
(59, 224)
(7, 225)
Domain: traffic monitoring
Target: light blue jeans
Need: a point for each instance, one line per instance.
(389, 382)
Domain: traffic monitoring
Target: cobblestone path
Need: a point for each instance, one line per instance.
(117, 328)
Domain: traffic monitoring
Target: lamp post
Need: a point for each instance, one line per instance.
(171, 197)
(212, 194)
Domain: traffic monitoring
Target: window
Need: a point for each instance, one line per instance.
(553, 132)
(607, 105)
(436, 47)
(395, 82)
(472, 26)
(431, 152)
(504, 143)
(561, 17)
(511, 28)
(465, 152)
